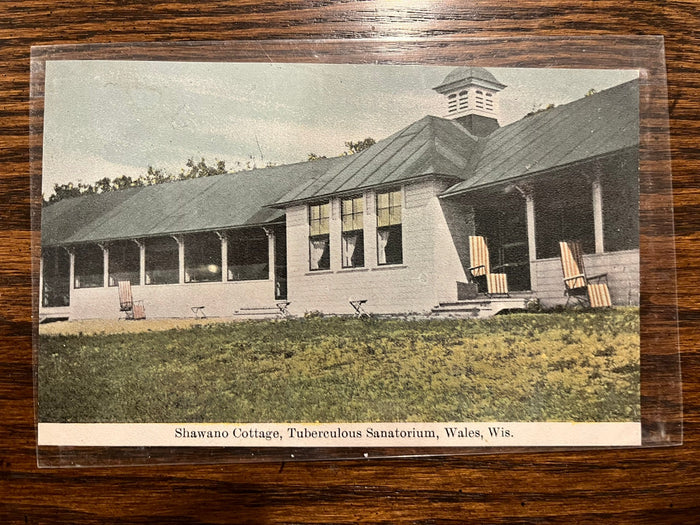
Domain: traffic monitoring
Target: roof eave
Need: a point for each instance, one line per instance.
(60, 244)
(521, 177)
(355, 191)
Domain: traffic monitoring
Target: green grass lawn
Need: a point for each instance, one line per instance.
(563, 366)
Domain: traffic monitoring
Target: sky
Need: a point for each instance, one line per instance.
(113, 118)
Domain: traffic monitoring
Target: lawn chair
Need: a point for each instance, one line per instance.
(133, 310)
(496, 283)
(577, 284)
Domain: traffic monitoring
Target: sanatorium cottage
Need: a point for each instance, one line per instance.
(389, 225)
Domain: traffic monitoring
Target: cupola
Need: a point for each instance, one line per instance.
(471, 96)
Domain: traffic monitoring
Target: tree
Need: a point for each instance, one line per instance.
(313, 156)
(200, 169)
(157, 176)
(63, 191)
(360, 145)
(123, 182)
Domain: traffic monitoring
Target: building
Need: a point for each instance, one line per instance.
(389, 224)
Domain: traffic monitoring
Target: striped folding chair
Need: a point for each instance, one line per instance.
(496, 283)
(133, 310)
(577, 284)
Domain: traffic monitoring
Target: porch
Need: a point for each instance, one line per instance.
(219, 270)
(594, 202)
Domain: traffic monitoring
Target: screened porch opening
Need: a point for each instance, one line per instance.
(124, 262)
(162, 260)
(563, 212)
(621, 222)
(89, 266)
(503, 222)
(55, 278)
(248, 255)
(202, 257)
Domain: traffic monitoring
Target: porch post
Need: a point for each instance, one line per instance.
(270, 252)
(105, 264)
(71, 269)
(180, 240)
(531, 239)
(142, 261)
(41, 280)
(370, 223)
(597, 191)
(224, 255)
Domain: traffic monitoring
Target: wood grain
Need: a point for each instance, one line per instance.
(640, 486)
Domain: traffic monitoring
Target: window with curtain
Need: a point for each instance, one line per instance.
(319, 236)
(389, 236)
(353, 239)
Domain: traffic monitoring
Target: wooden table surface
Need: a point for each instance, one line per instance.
(640, 486)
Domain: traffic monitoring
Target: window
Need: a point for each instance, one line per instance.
(89, 264)
(389, 242)
(353, 235)
(319, 241)
(248, 257)
(162, 261)
(202, 257)
(124, 262)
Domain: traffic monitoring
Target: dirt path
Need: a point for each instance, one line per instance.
(112, 326)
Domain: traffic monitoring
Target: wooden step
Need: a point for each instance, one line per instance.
(480, 308)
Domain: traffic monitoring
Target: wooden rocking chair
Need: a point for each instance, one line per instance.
(496, 283)
(587, 290)
(133, 310)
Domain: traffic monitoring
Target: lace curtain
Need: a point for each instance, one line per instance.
(349, 244)
(382, 241)
(318, 248)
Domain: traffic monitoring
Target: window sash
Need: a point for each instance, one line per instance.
(388, 209)
(352, 211)
(319, 219)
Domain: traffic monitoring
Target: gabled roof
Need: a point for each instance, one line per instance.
(594, 126)
(208, 203)
(431, 146)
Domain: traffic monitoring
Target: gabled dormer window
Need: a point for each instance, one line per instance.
(389, 236)
(319, 236)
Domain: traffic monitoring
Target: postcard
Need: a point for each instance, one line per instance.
(253, 254)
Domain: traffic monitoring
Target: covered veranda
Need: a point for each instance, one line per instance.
(593, 202)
